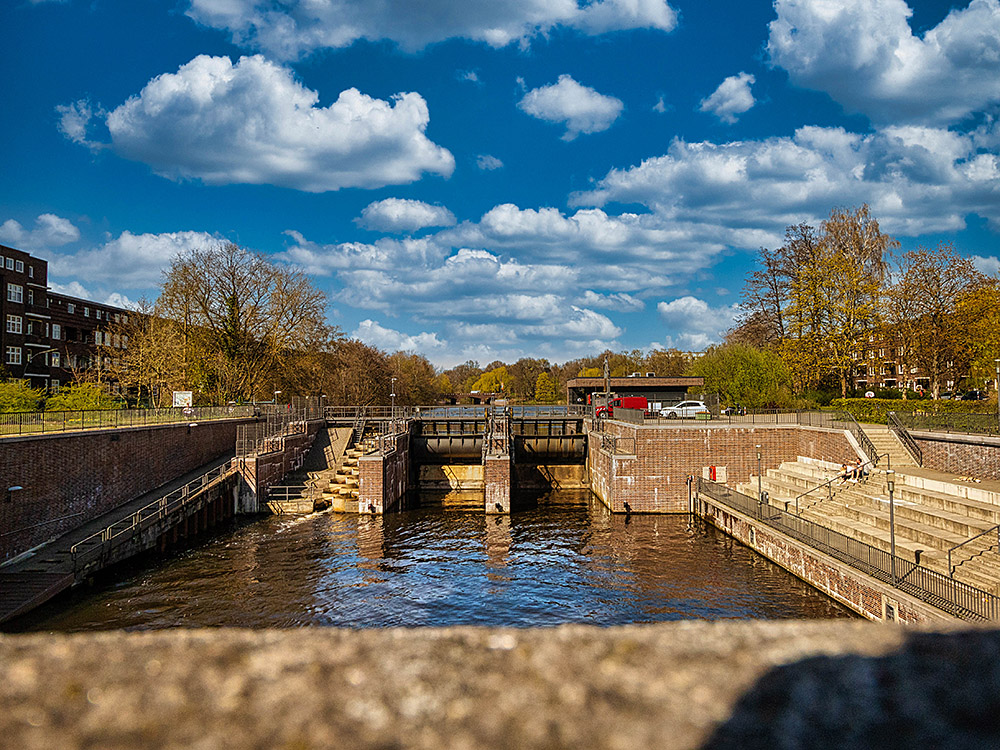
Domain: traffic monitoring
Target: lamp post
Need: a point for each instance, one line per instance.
(393, 397)
(890, 481)
(758, 473)
(276, 394)
(997, 363)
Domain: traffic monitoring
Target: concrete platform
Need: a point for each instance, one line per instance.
(677, 685)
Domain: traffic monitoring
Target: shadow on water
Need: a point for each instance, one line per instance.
(559, 558)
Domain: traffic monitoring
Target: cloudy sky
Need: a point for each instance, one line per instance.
(483, 179)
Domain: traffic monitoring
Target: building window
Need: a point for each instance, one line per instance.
(10, 264)
(55, 385)
(97, 314)
(31, 272)
(56, 359)
(70, 307)
(15, 293)
(56, 331)
(19, 266)
(31, 296)
(86, 312)
(14, 324)
(13, 355)
(97, 337)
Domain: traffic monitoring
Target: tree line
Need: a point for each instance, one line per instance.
(831, 302)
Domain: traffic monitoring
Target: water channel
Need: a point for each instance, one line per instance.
(562, 559)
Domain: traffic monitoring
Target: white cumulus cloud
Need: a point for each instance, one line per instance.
(864, 54)
(130, 261)
(50, 231)
(692, 324)
(580, 108)
(253, 123)
(731, 99)
(404, 215)
(293, 28)
(390, 340)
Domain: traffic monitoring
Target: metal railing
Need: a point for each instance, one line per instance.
(267, 435)
(466, 411)
(952, 568)
(39, 422)
(497, 434)
(959, 599)
(103, 542)
(905, 438)
(851, 424)
(969, 424)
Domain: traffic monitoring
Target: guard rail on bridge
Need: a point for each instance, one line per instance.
(38, 422)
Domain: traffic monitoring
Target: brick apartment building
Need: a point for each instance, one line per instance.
(48, 336)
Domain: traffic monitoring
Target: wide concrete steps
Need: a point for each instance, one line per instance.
(928, 517)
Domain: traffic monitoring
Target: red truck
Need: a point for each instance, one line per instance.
(623, 402)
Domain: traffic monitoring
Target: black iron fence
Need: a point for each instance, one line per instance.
(900, 431)
(959, 599)
(974, 424)
(38, 422)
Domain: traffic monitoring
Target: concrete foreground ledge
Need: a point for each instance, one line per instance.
(679, 685)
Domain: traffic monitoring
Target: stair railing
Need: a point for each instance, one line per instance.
(900, 431)
(859, 434)
(842, 476)
(953, 568)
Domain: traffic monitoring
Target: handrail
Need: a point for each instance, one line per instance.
(111, 536)
(859, 434)
(961, 599)
(905, 438)
(44, 422)
(829, 483)
(953, 568)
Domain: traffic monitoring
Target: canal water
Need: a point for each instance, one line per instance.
(563, 559)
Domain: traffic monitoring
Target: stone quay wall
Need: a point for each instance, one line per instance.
(965, 455)
(498, 478)
(649, 465)
(861, 593)
(68, 479)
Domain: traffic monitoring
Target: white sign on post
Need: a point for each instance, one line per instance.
(183, 398)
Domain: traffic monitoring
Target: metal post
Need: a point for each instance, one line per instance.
(891, 484)
(393, 397)
(997, 361)
(758, 473)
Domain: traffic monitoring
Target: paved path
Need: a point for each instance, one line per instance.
(32, 579)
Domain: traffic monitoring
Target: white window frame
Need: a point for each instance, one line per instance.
(86, 312)
(13, 355)
(15, 324)
(56, 331)
(15, 293)
(56, 359)
(70, 307)
(10, 264)
(19, 266)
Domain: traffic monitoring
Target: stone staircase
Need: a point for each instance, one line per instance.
(885, 441)
(931, 516)
(339, 486)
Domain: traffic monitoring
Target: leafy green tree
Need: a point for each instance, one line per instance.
(15, 395)
(741, 374)
(545, 389)
(81, 396)
(591, 372)
(492, 381)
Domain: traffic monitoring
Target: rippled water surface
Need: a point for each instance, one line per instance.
(565, 559)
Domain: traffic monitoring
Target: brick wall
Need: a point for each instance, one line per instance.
(652, 479)
(70, 479)
(498, 473)
(265, 469)
(964, 455)
(865, 595)
(384, 479)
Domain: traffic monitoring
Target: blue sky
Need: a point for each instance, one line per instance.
(492, 179)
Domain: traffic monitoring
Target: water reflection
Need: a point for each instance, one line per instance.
(564, 559)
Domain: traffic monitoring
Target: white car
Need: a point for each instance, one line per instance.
(684, 409)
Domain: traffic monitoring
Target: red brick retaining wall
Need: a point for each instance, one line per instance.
(965, 455)
(384, 479)
(861, 593)
(71, 478)
(497, 478)
(651, 476)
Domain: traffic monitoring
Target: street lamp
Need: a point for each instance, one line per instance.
(997, 362)
(890, 481)
(276, 394)
(393, 397)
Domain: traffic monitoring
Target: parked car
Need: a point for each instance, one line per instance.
(684, 409)
(974, 396)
